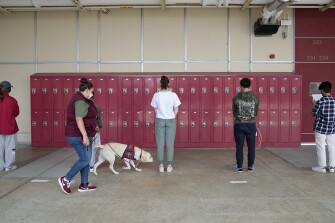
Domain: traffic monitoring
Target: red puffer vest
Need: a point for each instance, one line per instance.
(90, 120)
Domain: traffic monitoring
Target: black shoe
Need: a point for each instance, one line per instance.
(251, 169)
(238, 169)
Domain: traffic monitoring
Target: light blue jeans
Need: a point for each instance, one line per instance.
(82, 165)
(165, 131)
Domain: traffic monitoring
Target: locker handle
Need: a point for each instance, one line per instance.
(99, 90)
(55, 90)
(66, 90)
(124, 123)
(294, 123)
(204, 124)
(33, 90)
(44, 90)
(238, 89)
(260, 123)
(147, 90)
(56, 123)
(110, 90)
(76, 89)
(110, 123)
(136, 123)
(181, 90)
(272, 90)
(45, 123)
(282, 123)
(181, 124)
(216, 124)
(192, 90)
(204, 90)
(216, 90)
(136, 90)
(147, 124)
(226, 90)
(294, 90)
(260, 90)
(124, 90)
(33, 123)
(226, 123)
(271, 123)
(192, 123)
(282, 90)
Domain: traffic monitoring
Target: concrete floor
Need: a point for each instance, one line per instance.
(202, 188)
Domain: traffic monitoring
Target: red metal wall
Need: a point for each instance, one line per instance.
(205, 116)
(315, 57)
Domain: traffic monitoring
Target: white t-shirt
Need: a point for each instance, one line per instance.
(165, 102)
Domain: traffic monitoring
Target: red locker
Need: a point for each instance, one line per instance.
(285, 126)
(58, 128)
(273, 126)
(228, 127)
(46, 93)
(57, 94)
(206, 127)
(35, 93)
(183, 92)
(138, 127)
(194, 93)
(47, 126)
(262, 125)
(126, 99)
(36, 127)
(273, 93)
(229, 93)
(104, 129)
(113, 93)
(206, 93)
(194, 126)
(217, 126)
(68, 91)
(138, 103)
(217, 94)
(182, 127)
(101, 92)
(112, 125)
(296, 93)
(285, 91)
(149, 89)
(296, 127)
(262, 93)
(149, 126)
(126, 127)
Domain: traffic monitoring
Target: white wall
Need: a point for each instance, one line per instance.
(134, 40)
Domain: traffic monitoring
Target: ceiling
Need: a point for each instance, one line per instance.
(8, 6)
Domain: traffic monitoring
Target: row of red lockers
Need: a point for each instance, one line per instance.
(205, 118)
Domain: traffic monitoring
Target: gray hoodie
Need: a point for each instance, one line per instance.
(245, 107)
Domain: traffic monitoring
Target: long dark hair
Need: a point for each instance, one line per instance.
(1, 95)
(164, 82)
(85, 84)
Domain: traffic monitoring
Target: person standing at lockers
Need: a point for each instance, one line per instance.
(80, 131)
(165, 103)
(245, 110)
(324, 128)
(9, 110)
(97, 138)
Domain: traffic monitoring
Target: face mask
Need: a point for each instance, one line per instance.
(90, 96)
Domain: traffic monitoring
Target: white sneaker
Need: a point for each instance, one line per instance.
(161, 168)
(169, 169)
(331, 169)
(319, 169)
(91, 169)
(12, 167)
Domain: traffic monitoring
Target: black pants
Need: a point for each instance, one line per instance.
(242, 131)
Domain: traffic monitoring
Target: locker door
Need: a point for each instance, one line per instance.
(262, 125)
(57, 128)
(273, 93)
(217, 94)
(285, 91)
(138, 127)
(217, 126)
(149, 89)
(68, 91)
(126, 127)
(296, 93)
(57, 94)
(194, 126)
(35, 93)
(263, 93)
(47, 127)
(206, 93)
(285, 126)
(149, 126)
(101, 92)
(46, 93)
(104, 129)
(126, 101)
(273, 127)
(296, 126)
(229, 127)
(194, 93)
(183, 92)
(138, 102)
(182, 127)
(206, 126)
(113, 93)
(229, 93)
(112, 126)
(36, 127)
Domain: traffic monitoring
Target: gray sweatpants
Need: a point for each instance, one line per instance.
(7, 150)
(165, 131)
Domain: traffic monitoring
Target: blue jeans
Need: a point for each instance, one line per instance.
(82, 165)
(245, 131)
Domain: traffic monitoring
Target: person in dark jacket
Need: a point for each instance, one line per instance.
(9, 110)
(245, 110)
(79, 131)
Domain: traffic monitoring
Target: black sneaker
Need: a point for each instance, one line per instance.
(250, 169)
(237, 169)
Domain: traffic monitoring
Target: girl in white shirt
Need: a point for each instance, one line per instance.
(165, 103)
